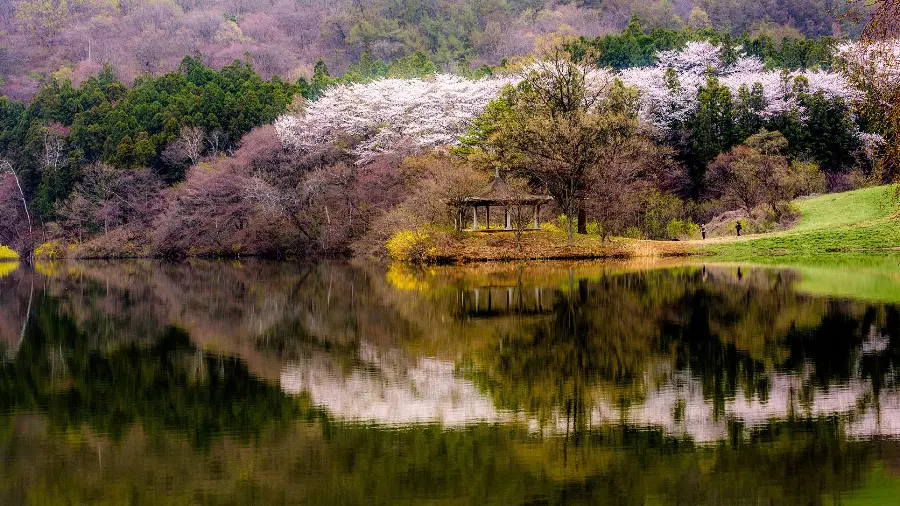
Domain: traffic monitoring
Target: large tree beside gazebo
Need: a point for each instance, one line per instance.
(563, 126)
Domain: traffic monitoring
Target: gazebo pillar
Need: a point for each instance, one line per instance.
(488, 217)
(537, 208)
(474, 217)
(508, 224)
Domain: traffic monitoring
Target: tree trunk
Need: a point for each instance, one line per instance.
(569, 227)
(582, 219)
(12, 171)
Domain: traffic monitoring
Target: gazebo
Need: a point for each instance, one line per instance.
(499, 193)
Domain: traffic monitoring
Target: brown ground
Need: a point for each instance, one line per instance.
(552, 245)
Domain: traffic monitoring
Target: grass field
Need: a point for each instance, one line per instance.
(856, 221)
(846, 245)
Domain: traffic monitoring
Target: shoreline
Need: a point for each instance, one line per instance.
(720, 250)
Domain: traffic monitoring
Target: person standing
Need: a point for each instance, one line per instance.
(703, 231)
(738, 227)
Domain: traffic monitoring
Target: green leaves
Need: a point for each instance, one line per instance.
(129, 128)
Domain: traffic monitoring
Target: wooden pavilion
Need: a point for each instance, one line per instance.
(501, 194)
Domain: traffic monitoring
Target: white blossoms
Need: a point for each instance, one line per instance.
(390, 114)
(664, 100)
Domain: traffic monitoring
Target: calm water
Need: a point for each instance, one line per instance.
(275, 383)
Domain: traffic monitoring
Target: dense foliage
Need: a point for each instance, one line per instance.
(638, 45)
(703, 98)
(65, 128)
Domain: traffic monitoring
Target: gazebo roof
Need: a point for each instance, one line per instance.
(499, 191)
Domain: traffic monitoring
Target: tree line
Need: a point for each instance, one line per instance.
(87, 157)
(162, 123)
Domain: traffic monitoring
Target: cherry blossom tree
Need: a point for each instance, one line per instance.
(669, 88)
(391, 115)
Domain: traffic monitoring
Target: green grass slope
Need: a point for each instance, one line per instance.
(844, 209)
(855, 221)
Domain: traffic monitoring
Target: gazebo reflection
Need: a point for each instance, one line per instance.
(499, 301)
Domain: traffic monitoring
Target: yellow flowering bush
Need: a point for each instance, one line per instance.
(48, 268)
(410, 246)
(49, 250)
(548, 226)
(7, 253)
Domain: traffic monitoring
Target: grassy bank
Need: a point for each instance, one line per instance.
(830, 228)
(857, 221)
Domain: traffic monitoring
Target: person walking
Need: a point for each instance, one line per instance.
(738, 227)
(703, 231)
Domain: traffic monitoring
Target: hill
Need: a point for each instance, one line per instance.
(75, 39)
(862, 220)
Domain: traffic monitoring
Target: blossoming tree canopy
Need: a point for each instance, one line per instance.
(389, 114)
(669, 88)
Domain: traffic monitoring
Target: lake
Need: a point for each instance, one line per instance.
(256, 382)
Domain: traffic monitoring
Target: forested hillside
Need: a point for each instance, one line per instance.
(314, 127)
(76, 38)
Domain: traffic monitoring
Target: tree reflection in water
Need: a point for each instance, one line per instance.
(268, 383)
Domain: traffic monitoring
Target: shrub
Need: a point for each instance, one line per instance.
(410, 246)
(681, 229)
(48, 268)
(562, 223)
(7, 253)
(786, 214)
(402, 279)
(808, 179)
(659, 211)
(50, 250)
(551, 227)
(633, 232)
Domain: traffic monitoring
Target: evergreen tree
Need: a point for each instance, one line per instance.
(749, 107)
(713, 125)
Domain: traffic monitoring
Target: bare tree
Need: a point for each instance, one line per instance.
(755, 173)
(188, 146)
(6, 166)
(111, 197)
(630, 168)
(216, 141)
(54, 148)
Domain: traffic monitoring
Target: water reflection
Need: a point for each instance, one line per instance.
(263, 382)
